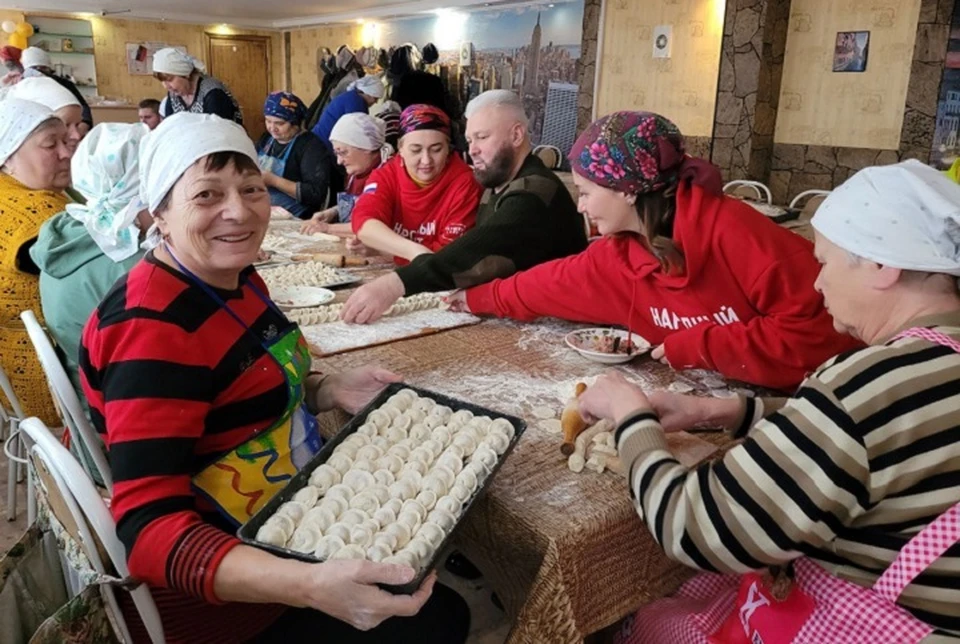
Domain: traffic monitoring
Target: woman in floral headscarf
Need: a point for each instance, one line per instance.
(708, 280)
(296, 165)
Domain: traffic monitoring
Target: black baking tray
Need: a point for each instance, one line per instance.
(248, 531)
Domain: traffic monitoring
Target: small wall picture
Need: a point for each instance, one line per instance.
(662, 41)
(850, 53)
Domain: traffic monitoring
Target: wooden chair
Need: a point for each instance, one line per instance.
(744, 189)
(76, 503)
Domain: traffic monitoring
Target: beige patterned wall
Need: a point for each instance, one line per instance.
(854, 110)
(111, 37)
(304, 44)
(684, 87)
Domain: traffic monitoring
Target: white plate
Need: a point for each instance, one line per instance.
(576, 340)
(300, 297)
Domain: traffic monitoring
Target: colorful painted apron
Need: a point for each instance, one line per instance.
(242, 480)
(278, 165)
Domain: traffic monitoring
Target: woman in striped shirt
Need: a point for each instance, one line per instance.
(867, 452)
(193, 374)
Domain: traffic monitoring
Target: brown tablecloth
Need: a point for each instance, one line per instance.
(565, 552)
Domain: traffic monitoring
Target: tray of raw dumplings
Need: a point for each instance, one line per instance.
(391, 486)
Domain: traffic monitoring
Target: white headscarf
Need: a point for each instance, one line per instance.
(179, 142)
(44, 90)
(362, 131)
(369, 85)
(905, 216)
(18, 120)
(35, 57)
(105, 171)
(176, 63)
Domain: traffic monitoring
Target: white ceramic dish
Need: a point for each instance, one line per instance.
(300, 297)
(577, 340)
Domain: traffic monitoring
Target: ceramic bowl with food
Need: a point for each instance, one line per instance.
(607, 346)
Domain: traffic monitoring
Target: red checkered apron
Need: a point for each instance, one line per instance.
(819, 607)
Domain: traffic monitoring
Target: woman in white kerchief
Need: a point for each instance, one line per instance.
(867, 452)
(82, 251)
(64, 104)
(189, 89)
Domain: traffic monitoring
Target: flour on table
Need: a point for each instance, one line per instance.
(334, 337)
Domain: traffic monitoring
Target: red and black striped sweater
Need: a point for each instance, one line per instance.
(174, 381)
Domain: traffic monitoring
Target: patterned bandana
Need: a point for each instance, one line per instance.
(638, 153)
(424, 117)
(286, 106)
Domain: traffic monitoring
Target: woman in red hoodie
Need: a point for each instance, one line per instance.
(712, 282)
(421, 200)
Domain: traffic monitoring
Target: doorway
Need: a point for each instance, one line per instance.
(242, 63)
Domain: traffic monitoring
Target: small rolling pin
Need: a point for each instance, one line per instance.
(333, 259)
(572, 422)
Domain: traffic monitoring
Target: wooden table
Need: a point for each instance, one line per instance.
(565, 552)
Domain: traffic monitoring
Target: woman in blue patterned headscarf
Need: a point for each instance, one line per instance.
(296, 165)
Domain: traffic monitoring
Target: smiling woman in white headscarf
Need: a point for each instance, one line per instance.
(34, 171)
(189, 89)
(189, 367)
(81, 252)
(863, 458)
(64, 104)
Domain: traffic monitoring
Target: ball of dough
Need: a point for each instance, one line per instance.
(385, 539)
(431, 533)
(365, 502)
(400, 531)
(445, 474)
(350, 551)
(393, 504)
(427, 499)
(450, 504)
(403, 490)
(467, 477)
(340, 491)
(497, 442)
(384, 517)
(461, 492)
(340, 463)
(400, 451)
(361, 536)
(335, 505)
(444, 519)
(421, 548)
(442, 435)
(285, 524)
(351, 518)
(293, 510)
(379, 552)
(358, 480)
(379, 419)
(325, 477)
(305, 539)
(380, 492)
(321, 517)
(328, 545)
(409, 519)
(414, 506)
(465, 442)
(272, 534)
(420, 431)
(450, 462)
(435, 485)
(419, 462)
(369, 452)
(384, 477)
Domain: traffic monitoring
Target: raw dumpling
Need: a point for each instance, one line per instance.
(340, 491)
(498, 442)
(293, 510)
(340, 462)
(379, 419)
(384, 477)
(430, 422)
(420, 431)
(347, 449)
(305, 539)
(361, 536)
(431, 533)
(413, 476)
(321, 517)
(444, 519)
(379, 552)
(358, 480)
(414, 506)
(427, 499)
(393, 504)
(451, 462)
(395, 434)
(400, 401)
(456, 451)
(462, 416)
(424, 404)
(442, 435)
(434, 446)
(486, 456)
(272, 534)
(368, 429)
(335, 505)
(328, 545)
(409, 519)
(416, 416)
(465, 442)
(400, 531)
(461, 492)
(417, 463)
(436, 485)
(365, 502)
(365, 465)
(353, 517)
(369, 452)
(339, 530)
(392, 412)
(467, 478)
(400, 451)
(307, 495)
(403, 490)
(382, 443)
(325, 477)
(392, 463)
(351, 551)
(450, 504)
(482, 422)
(385, 539)
(285, 524)
(405, 558)
(421, 454)
(421, 548)
(445, 474)
(505, 426)
(384, 517)
(442, 412)
(402, 423)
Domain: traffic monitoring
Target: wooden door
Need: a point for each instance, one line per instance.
(242, 63)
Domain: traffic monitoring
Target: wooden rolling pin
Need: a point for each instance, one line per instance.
(571, 422)
(334, 259)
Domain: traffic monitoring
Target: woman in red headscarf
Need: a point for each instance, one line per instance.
(712, 282)
(421, 200)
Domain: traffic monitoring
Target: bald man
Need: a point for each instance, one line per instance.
(526, 216)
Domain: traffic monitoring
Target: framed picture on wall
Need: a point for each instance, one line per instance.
(850, 52)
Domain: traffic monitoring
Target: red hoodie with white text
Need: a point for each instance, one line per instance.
(745, 306)
(433, 215)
